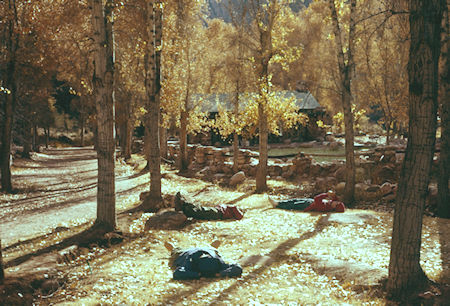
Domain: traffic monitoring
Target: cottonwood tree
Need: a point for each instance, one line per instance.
(405, 272)
(265, 15)
(183, 73)
(237, 63)
(2, 271)
(261, 44)
(152, 88)
(443, 209)
(346, 71)
(130, 71)
(9, 89)
(382, 75)
(102, 23)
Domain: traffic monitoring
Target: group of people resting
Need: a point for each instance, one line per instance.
(194, 263)
(324, 202)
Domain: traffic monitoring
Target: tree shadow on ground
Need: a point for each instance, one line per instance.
(270, 259)
(92, 235)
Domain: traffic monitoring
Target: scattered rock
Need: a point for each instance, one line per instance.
(68, 254)
(339, 188)
(386, 173)
(390, 197)
(237, 178)
(334, 146)
(339, 174)
(166, 220)
(373, 188)
(49, 286)
(386, 188)
(144, 195)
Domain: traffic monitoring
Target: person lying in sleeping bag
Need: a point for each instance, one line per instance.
(323, 202)
(219, 212)
(199, 262)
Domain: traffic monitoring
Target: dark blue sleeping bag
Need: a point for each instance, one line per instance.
(203, 262)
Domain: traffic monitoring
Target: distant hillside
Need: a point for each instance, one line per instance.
(219, 10)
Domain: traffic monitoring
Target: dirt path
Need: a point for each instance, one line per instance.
(58, 188)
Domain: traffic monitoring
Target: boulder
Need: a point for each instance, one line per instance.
(385, 173)
(166, 220)
(360, 175)
(373, 188)
(359, 189)
(339, 188)
(320, 185)
(339, 174)
(386, 188)
(237, 178)
(389, 198)
(334, 146)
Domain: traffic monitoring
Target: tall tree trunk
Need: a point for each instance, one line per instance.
(183, 142)
(152, 87)
(128, 139)
(82, 125)
(265, 54)
(27, 141)
(128, 131)
(2, 271)
(235, 135)
(346, 68)
(102, 20)
(184, 159)
(163, 140)
(35, 138)
(261, 173)
(47, 135)
(443, 209)
(10, 101)
(405, 272)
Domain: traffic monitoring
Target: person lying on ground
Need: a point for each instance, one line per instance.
(323, 202)
(195, 263)
(219, 212)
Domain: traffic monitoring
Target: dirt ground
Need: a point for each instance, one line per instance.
(288, 257)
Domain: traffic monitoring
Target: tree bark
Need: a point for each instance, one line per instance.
(163, 140)
(183, 142)
(102, 19)
(10, 101)
(47, 135)
(346, 68)
(235, 135)
(261, 175)
(26, 139)
(2, 271)
(405, 272)
(184, 159)
(82, 124)
(265, 26)
(35, 138)
(152, 88)
(443, 209)
(128, 138)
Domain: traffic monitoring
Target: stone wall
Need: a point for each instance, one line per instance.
(376, 167)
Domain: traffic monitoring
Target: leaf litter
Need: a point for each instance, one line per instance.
(289, 258)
